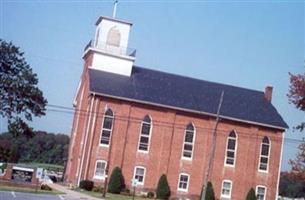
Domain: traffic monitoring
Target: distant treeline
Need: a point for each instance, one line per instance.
(42, 147)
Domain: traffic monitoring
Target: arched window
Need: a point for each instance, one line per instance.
(114, 37)
(188, 144)
(107, 127)
(231, 149)
(264, 156)
(145, 134)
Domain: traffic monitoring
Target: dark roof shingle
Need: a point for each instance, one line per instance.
(186, 93)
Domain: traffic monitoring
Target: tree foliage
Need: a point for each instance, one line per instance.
(163, 190)
(42, 148)
(296, 94)
(292, 184)
(116, 182)
(210, 195)
(20, 97)
(298, 164)
(251, 195)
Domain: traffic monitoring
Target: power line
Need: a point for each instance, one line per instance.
(223, 132)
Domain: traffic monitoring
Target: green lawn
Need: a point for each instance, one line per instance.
(28, 190)
(109, 196)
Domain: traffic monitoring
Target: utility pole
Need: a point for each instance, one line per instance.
(212, 152)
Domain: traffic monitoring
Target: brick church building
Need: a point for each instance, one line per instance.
(150, 123)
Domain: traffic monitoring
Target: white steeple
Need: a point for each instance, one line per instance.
(110, 46)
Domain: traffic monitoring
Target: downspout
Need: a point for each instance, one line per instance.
(280, 166)
(84, 146)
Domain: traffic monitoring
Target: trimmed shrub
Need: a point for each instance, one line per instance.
(45, 187)
(150, 195)
(210, 195)
(116, 182)
(86, 185)
(163, 190)
(251, 195)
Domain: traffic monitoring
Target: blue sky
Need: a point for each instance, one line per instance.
(249, 44)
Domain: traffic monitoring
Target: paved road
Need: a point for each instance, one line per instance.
(27, 196)
(31, 196)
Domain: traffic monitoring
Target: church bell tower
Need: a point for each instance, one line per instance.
(110, 46)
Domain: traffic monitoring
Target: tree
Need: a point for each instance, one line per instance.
(251, 195)
(210, 195)
(20, 97)
(116, 181)
(296, 94)
(298, 164)
(163, 190)
(292, 184)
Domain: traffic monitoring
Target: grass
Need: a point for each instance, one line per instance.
(109, 196)
(28, 190)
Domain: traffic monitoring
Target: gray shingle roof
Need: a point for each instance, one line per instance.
(160, 88)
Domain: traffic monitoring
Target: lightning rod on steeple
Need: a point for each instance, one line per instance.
(114, 8)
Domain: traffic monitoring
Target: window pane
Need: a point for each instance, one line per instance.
(189, 137)
(230, 154)
(231, 144)
(263, 166)
(144, 140)
(230, 161)
(145, 129)
(140, 171)
(187, 154)
(261, 193)
(105, 137)
(264, 160)
(100, 169)
(188, 147)
(265, 149)
(107, 123)
(143, 146)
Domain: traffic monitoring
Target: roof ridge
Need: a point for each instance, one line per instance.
(197, 79)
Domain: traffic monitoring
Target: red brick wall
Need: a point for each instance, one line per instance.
(166, 147)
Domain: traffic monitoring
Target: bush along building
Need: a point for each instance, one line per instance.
(149, 123)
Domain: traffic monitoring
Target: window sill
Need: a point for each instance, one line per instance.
(263, 171)
(141, 151)
(186, 159)
(182, 190)
(104, 145)
(231, 166)
(99, 177)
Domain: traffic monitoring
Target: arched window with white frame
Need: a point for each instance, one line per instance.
(264, 154)
(189, 140)
(145, 134)
(100, 169)
(107, 127)
(231, 149)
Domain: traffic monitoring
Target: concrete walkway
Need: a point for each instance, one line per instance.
(70, 194)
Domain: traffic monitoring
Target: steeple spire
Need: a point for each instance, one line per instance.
(114, 8)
